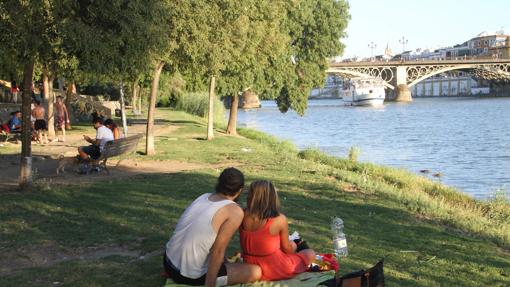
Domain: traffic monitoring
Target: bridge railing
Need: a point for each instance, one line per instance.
(450, 60)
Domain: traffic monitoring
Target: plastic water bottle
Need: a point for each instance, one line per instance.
(339, 240)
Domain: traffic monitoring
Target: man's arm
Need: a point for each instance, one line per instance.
(225, 233)
(65, 112)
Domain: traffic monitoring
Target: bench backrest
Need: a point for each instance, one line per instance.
(121, 146)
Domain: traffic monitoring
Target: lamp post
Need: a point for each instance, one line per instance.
(372, 46)
(403, 41)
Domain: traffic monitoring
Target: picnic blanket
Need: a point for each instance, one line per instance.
(307, 279)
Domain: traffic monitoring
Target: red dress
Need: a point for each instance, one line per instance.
(262, 248)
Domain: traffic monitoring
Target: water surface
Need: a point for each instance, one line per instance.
(467, 140)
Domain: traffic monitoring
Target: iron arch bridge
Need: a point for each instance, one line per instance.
(409, 73)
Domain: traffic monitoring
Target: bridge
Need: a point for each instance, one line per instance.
(399, 76)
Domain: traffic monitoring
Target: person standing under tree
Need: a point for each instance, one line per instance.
(40, 125)
(14, 91)
(61, 118)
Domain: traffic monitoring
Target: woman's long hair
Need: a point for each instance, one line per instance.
(263, 201)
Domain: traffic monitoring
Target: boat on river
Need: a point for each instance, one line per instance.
(363, 92)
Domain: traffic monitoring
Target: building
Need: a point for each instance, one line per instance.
(451, 84)
(483, 42)
(501, 49)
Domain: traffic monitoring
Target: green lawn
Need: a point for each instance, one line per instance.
(429, 235)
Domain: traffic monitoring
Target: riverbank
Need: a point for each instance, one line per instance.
(111, 231)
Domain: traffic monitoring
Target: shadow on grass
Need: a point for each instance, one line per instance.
(140, 212)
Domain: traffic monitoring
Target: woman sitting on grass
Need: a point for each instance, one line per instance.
(265, 236)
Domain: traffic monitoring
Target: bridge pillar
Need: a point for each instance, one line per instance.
(403, 93)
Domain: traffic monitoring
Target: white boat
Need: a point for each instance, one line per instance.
(363, 92)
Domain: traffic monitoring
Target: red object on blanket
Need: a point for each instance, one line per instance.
(324, 262)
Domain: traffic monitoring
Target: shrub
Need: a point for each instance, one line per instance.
(197, 103)
(354, 152)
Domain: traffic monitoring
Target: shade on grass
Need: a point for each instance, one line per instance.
(138, 214)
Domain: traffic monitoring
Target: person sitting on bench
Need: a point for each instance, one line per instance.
(15, 122)
(103, 135)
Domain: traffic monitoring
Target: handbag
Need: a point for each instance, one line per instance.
(372, 277)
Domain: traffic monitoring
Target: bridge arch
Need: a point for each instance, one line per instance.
(374, 73)
(438, 71)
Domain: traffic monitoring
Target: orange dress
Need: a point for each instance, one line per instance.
(262, 248)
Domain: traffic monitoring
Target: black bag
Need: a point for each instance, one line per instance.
(373, 277)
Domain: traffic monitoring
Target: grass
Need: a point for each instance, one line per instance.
(429, 234)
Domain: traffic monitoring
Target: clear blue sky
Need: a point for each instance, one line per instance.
(425, 23)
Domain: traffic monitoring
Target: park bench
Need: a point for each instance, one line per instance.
(8, 135)
(115, 148)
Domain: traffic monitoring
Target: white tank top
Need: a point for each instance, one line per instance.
(188, 248)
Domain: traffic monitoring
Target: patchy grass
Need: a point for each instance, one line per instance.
(429, 234)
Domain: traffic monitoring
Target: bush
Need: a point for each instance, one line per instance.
(354, 152)
(196, 103)
(171, 87)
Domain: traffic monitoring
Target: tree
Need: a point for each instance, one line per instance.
(315, 28)
(128, 36)
(20, 23)
(291, 52)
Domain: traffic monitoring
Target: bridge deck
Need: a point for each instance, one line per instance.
(417, 63)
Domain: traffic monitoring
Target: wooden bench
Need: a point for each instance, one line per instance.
(10, 136)
(115, 148)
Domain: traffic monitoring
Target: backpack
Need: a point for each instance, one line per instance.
(372, 277)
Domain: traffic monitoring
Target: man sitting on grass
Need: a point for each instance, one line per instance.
(196, 251)
(103, 135)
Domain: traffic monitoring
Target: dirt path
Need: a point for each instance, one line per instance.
(45, 163)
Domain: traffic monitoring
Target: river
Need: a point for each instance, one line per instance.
(467, 140)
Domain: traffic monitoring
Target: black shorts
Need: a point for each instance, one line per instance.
(40, 125)
(176, 276)
(92, 150)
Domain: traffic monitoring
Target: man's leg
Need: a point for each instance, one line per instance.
(63, 133)
(45, 136)
(242, 273)
(83, 154)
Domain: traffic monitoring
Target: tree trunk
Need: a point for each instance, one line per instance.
(49, 97)
(149, 145)
(134, 98)
(139, 92)
(123, 110)
(25, 177)
(232, 118)
(69, 95)
(210, 117)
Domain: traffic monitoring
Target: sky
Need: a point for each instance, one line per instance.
(423, 23)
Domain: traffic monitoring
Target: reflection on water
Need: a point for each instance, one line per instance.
(467, 140)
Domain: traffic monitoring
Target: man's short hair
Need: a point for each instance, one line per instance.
(97, 120)
(231, 180)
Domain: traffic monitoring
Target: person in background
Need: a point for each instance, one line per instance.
(109, 123)
(61, 118)
(15, 122)
(40, 125)
(14, 91)
(96, 147)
